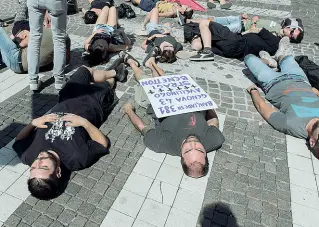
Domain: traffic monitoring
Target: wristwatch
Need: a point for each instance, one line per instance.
(253, 88)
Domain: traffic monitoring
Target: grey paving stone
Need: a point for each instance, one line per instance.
(78, 221)
(74, 203)
(86, 209)
(22, 210)
(54, 210)
(31, 216)
(42, 221)
(12, 221)
(56, 224)
(98, 216)
(66, 216)
(41, 206)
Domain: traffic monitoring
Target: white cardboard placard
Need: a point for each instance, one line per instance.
(176, 94)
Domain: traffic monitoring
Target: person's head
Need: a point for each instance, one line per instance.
(187, 11)
(45, 174)
(167, 53)
(98, 51)
(90, 17)
(23, 34)
(295, 34)
(194, 157)
(313, 134)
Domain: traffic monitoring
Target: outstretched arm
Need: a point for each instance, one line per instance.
(212, 118)
(136, 120)
(262, 107)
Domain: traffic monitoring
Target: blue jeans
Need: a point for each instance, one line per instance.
(232, 22)
(9, 52)
(58, 13)
(264, 75)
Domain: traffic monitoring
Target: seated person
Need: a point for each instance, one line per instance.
(290, 27)
(106, 37)
(69, 136)
(159, 37)
(14, 48)
(90, 16)
(213, 38)
(170, 9)
(289, 91)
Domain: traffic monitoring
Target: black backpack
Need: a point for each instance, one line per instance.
(191, 31)
(311, 70)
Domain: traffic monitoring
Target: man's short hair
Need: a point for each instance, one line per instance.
(299, 38)
(167, 56)
(188, 170)
(44, 189)
(90, 17)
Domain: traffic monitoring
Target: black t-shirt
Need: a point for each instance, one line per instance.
(168, 136)
(98, 4)
(73, 144)
(158, 41)
(20, 26)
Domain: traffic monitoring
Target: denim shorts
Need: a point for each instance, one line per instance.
(108, 28)
(152, 27)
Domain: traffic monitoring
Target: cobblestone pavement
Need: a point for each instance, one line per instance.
(249, 183)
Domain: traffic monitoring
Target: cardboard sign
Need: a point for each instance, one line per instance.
(176, 94)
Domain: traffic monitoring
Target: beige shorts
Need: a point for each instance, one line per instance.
(140, 95)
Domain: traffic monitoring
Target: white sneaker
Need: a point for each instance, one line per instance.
(35, 85)
(271, 62)
(284, 48)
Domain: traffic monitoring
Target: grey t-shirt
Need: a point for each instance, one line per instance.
(297, 104)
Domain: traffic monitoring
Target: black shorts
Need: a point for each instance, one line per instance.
(80, 84)
(220, 32)
(147, 5)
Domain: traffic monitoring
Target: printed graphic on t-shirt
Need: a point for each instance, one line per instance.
(58, 129)
(303, 111)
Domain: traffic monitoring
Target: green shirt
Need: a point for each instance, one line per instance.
(271, 26)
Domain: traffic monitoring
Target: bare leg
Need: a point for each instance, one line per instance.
(111, 82)
(199, 20)
(205, 33)
(112, 18)
(137, 71)
(100, 76)
(147, 19)
(197, 44)
(103, 17)
(136, 2)
(154, 15)
(156, 70)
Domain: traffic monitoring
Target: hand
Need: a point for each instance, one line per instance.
(250, 88)
(40, 122)
(101, 30)
(74, 120)
(128, 107)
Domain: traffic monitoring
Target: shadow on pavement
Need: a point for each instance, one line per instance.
(217, 215)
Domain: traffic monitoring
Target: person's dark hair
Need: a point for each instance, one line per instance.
(167, 56)
(188, 169)
(44, 189)
(188, 14)
(90, 17)
(315, 148)
(97, 55)
(299, 38)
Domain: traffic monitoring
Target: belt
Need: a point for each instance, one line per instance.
(20, 62)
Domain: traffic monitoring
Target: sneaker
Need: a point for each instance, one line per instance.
(226, 5)
(155, 51)
(271, 62)
(211, 5)
(284, 48)
(121, 73)
(203, 55)
(181, 18)
(35, 85)
(59, 83)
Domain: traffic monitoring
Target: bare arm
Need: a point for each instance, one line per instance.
(117, 48)
(87, 42)
(315, 91)
(136, 120)
(212, 118)
(167, 14)
(144, 45)
(25, 132)
(262, 107)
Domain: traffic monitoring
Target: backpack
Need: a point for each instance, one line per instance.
(191, 31)
(311, 70)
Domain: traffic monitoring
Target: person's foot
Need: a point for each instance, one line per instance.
(181, 18)
(3, 24)
(35, 85)
(271, 62)
(121, 73)
(129, 58)
(284, 48)
(155, 51)
(211, 5)
(226, 5)
(204, 55)
(59, 83)
(128, 107)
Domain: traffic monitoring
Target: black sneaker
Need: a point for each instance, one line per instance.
(181, 18)
(115, 63)
(121, 73)
(203, 55)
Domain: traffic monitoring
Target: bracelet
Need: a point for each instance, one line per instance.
(255, 89)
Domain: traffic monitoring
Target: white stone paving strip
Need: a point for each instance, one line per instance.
(303, 171)
(159, 194)
(274, 2)
(13, 187)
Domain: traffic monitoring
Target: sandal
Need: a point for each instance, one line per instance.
(127, 56)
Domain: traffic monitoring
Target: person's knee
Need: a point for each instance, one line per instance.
(196, 45)
(248, 57)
